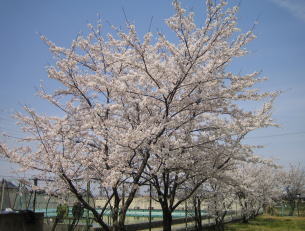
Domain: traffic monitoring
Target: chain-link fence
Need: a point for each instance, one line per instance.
(295, 208)
(144, 212)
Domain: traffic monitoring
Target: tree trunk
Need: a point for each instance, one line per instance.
(118, 226)
(115, 211)
(221, 221)
(199, 215)
(219, 225)
(55, 224)
(73, 225)
(292, 207)
(257, 212)
(198, 218)
(167, 219)
(245, 219)
(102, 224)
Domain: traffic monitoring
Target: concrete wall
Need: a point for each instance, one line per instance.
(21, 222)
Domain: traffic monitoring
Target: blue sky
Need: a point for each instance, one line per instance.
(278, 51)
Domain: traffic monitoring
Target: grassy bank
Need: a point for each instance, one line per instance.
(270, 223)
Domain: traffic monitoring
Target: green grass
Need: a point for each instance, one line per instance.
(270, 223)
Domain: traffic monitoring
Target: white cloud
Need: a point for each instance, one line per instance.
(296, 7)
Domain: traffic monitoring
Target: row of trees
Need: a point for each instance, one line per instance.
(255, 188)
(252, 186)
(146, 111)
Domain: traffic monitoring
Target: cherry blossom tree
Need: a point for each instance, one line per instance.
(220, 198)
(256, 187)
(209, 135)
(268, 190)
(218, 195)
(293, 185)
(141, 110)
(179, 179)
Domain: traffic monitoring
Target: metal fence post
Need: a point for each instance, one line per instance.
(185, 214)
(150, 207)
(87, 217)
(2, 194)
(34, 201)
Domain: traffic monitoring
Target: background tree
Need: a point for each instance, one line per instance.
(218, 195)
(293, 185)
(220, 199)
(267, 186)
(256, 186)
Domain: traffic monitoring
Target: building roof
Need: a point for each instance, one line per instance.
(8, 184)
